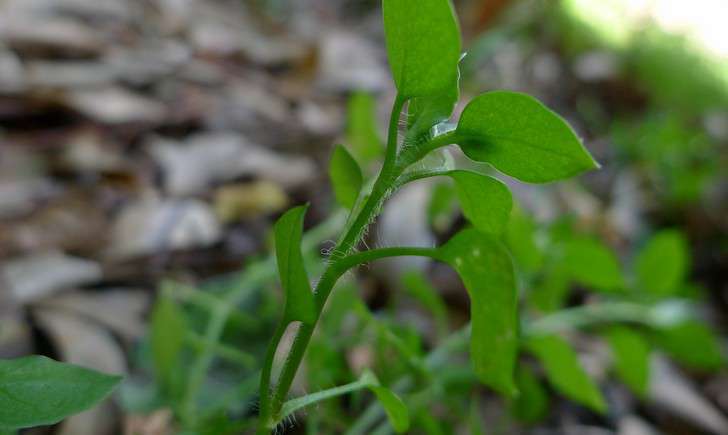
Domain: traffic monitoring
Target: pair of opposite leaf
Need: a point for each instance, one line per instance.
(511, 131)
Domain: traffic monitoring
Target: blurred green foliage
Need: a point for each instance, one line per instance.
(680, 161)
(428, 370)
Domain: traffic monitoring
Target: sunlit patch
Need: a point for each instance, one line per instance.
(701, 22)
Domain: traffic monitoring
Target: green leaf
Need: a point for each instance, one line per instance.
(361, 128)
(521, 137)
(631, 358)
(693, 344)
(441, 206)
(423, 45)
(168, 329)
(662, 263)
(487, 272)
(426, 424)
(520, 237)
(485, 201)
(565, 372)
(552, 290)
(589, 262)
(294, 280)
(36, 390)
(532, 402)
(394, 408)
(346, 177)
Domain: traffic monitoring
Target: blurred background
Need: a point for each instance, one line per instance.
(147, 146)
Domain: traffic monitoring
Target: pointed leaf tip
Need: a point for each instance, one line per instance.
(565, 372)
(396, 410)
(40, 391)
(423, 45)
(346, 177)
(522, 138)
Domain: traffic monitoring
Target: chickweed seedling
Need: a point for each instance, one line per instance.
(638, 310)
(513, 132)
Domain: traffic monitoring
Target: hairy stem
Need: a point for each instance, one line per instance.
(411, 155)
(222, 309)
(342, 260)
(347, 243)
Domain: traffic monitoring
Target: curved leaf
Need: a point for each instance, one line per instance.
(485, 201)
(294, 280)
(441, 207)
(662, 263)
(590, 263)
(168, 328)
(631, 355)
(521, 137)
(692, 344)
(346, 177)
(552, 290)
(36, 391)
(565, 372)
(395, 409)
(423, 45)
(532, 402)
(520, 237)
(487, 272)
(361, 128)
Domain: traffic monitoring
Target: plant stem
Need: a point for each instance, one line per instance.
(266, 420)
(222, 309)
(414, 154)
(409, 177)
(394, 165)
(294, 405)
(323, 289)
(608, 312)
(380, 190)
(375, 254)
(390, 156)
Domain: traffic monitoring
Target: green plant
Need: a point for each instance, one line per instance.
(651, 311)
(511, 131)
(646, 308)
(519, 137)
(676, 157)
(427, 372)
